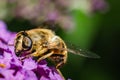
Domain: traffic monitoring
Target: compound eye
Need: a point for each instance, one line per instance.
(26, 43)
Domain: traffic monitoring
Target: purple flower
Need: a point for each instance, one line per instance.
(11, 68)
(29, 64)
(99, 5)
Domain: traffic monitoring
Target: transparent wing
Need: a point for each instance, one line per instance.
(85, 53)
(48, 24)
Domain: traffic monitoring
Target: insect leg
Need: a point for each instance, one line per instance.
(39, 52)
(58, 59)
(45, 56)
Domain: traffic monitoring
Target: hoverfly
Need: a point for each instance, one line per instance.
(44, 43)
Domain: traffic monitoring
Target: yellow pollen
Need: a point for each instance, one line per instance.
(2, 65)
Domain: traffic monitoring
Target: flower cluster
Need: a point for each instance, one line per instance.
(58, 11)
(38, 10)
(11, 68)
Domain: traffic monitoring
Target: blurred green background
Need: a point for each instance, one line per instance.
(95, 29)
